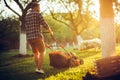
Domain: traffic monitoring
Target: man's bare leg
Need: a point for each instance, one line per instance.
(40, 60)
(36, 58)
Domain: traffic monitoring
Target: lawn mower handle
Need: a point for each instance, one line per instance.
(52, 36)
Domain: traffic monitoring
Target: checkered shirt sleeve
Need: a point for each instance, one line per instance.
(33, 22)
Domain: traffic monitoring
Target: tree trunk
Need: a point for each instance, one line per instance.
(107, 37)
(79, 40)
(22, 44)
(22, 47)
(107, 28)
(23, 40)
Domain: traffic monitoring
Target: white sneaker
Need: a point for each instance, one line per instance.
(40, 71)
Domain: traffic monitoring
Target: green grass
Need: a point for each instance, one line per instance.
(23, 68)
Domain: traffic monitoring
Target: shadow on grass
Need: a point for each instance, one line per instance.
(11, 59)
(18, 67)
(28, 75)
(21, 76)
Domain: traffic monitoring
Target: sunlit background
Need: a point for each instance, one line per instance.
(44, 8)
(57, 8)
(92, 30)
(12, 66)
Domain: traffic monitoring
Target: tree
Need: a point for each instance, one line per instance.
(61, 31)
(75, 16)
(24, 8)
(116, 4)
(107, 28)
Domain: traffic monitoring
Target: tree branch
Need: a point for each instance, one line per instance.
(10, 8)
(52, 14)
(19, 4)
(79, 15)
(69, 11)
(27, 8)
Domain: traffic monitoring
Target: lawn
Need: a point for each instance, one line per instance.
(13, 67)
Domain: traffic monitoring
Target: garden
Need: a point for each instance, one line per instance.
(81, 27)
(14, 67)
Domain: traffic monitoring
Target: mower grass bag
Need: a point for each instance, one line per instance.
(107, 67)
(63, 60)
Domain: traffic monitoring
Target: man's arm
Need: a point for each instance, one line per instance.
(50, 31)
(43, 22)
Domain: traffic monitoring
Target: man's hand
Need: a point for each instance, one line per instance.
(51, 33)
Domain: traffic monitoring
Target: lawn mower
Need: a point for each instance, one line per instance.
(65, 59)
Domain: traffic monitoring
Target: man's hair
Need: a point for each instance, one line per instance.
(34, 4)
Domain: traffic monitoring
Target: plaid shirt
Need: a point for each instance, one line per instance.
(33, 21)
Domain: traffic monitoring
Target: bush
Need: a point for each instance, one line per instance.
(9, 37)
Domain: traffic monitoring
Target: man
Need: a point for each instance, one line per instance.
(33, 21)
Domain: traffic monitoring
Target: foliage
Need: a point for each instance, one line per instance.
(92, 43)
(9, 29)
(117, 33)
(77, 16)
(1, 11)
(64, 34)
(61, 31)
(93, 31)
(72, 15)
(117, 5)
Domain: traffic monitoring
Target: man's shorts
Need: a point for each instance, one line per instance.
(37, 45)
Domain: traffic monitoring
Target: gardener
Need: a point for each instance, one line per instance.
(34, 20)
